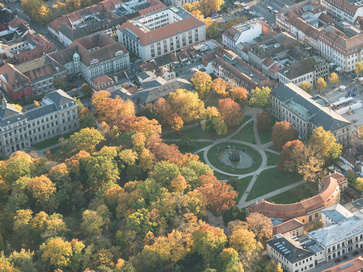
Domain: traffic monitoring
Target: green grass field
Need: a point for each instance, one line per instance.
(242, 185)
(246, 134)
(271, 180)
(272, 158)
(296, 194)
(265, 136)
(52, 141)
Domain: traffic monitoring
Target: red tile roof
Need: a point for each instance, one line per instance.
(325, 198)
(287, 226)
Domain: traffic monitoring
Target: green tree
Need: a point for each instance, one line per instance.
(86, 139)
(260, 97)
(228, 261)
(351, 176)
(358, 184)
(274, 267)
(214, 121)
(243, 241)
(20, 164)
(92, 223)
(307, 87)
(59, 84)
(334, 78)
(139, 221)
(86, 90)
(209, 242)
(202, 83)
(164, 172)
(320, 84)
(23, 259)
(212, 31)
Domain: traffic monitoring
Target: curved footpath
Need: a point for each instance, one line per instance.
(260, 148)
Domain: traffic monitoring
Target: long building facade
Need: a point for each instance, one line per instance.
(56, 115)
(161, 32)
(306, 113)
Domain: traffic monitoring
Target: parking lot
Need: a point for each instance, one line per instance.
(334, 94)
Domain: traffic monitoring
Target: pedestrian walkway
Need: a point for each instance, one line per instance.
(258, 146)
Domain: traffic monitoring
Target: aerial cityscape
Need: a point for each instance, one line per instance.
(181, 135)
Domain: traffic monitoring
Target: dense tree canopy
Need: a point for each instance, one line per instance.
(282, 132)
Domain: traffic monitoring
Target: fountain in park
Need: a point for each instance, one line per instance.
(235, 158)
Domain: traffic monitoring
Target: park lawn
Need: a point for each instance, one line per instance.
(271, 180)
(265, 136)
(296, 194)
(201, 158)
(242, 185)
(214, 160)
(196, 132)
(212, 100)
(52, 141)
(221, 176)
(199, 145)
(272, 158)
(246, 134)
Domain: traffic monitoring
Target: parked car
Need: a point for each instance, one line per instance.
(74, 85)
(345, 257)
(355, 253)
(338, 260)
(361, 250)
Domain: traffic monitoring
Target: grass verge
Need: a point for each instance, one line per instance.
(271, 180)
(296, 194)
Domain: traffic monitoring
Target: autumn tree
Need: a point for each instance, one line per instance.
(214, 121)
(209, 6)
(38, 10)
(202, 83)
(243, 241)
(57, 253)
(209, 242)
(20, 164)
(186, 104)
(43, 190)
(325, 144)
(307, 87)
(260, 97)
(218, 195)
(264, 121)
(310, 163)
(282, 132)
(220, 87)
(358, 184)
(351, 176)
(359, 68)
(261, 226)
(272, 266)
(333, 78)
(92, 223)
(320, 84)
(231, 112)
(239, 95)
(288, 159)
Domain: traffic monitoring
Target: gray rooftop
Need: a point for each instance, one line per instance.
(337, 213)
(290, 249)
(59, 97)
(317, 114)
(335, 233)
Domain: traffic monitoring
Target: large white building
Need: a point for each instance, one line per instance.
(342, 236)
(161, 32)
(242, 33)
(344, 10)
(92, 56)
(306, 113)
(56, 115)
